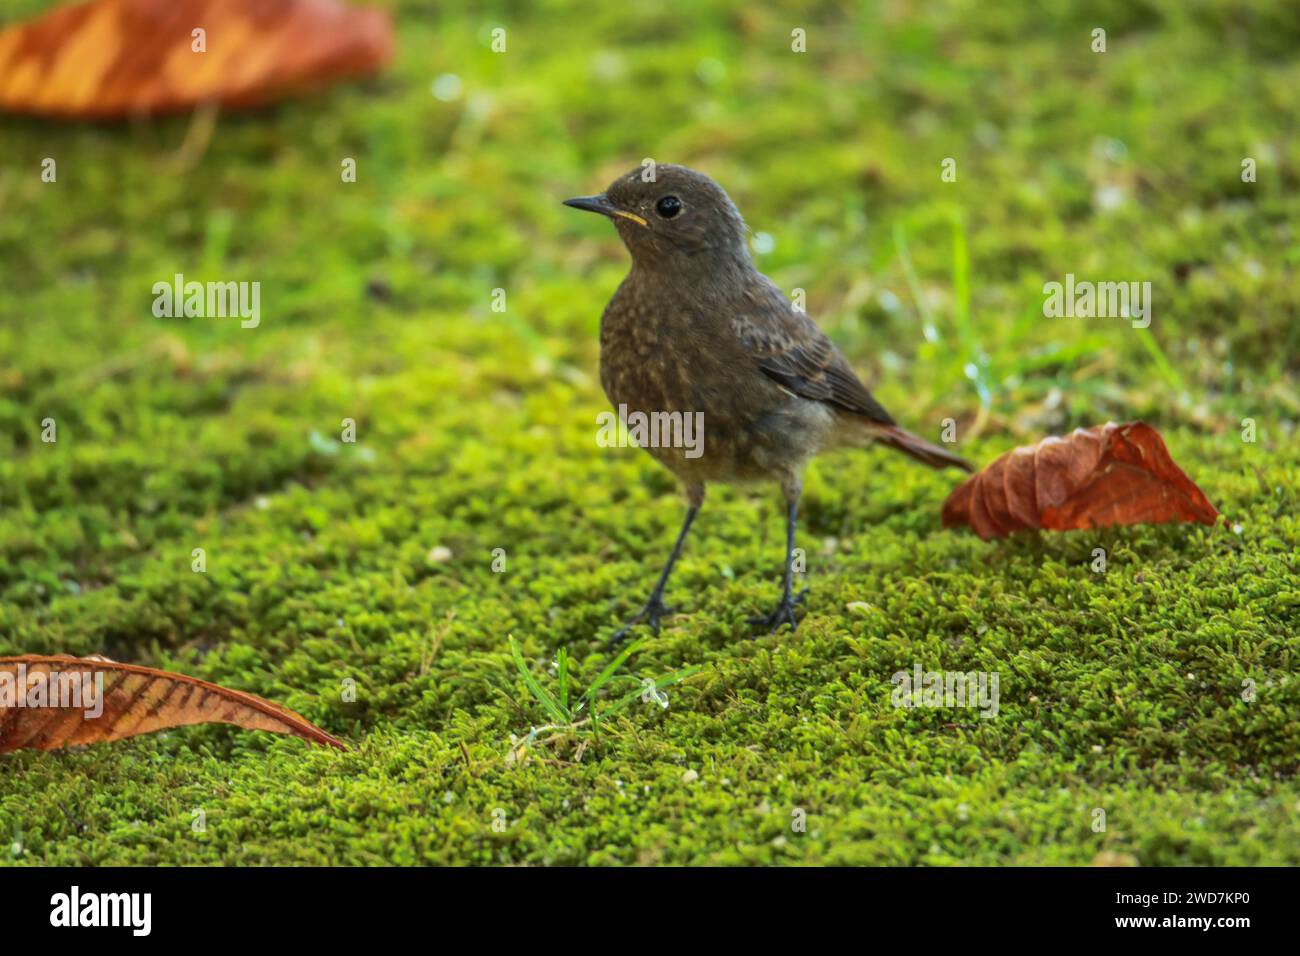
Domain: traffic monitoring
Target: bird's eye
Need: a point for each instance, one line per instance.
(668, 207)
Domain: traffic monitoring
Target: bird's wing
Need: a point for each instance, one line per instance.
(792, 351)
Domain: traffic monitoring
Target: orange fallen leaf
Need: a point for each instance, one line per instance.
(111, 59)
(47, 702)
(1093, 478)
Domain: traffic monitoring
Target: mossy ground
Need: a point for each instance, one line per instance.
(476, 431)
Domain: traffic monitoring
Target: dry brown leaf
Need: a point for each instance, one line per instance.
(1093, 478)
(111, 59)
(134, 700)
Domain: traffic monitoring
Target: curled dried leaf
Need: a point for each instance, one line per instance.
(111, 59)
(1093, 478)
(47, 702)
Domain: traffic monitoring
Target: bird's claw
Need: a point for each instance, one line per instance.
(654, 610)
(784, 613)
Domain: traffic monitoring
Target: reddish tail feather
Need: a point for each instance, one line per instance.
(919, 448)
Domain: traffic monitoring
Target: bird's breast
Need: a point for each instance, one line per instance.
(662, 362)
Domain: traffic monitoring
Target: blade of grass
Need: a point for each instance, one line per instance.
(1158, 356)
(563, 657)
(976, 367)
(610, 668)
(547, 701)
(667, 680)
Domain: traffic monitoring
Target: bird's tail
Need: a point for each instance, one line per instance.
(918, 448)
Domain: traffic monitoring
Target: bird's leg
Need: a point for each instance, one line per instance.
(655, 608)
(784, 612)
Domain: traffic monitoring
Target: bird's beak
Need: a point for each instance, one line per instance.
(602, 205)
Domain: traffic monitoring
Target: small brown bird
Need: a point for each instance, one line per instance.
(695, 328)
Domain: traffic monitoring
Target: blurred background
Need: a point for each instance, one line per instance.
(476, 427)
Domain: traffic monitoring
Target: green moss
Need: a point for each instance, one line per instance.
(1119, 691)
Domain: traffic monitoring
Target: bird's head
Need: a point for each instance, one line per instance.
(667, 213)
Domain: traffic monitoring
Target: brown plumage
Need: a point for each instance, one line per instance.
(695, 328)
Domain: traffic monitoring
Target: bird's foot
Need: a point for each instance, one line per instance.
(654, 610)
(784, 613)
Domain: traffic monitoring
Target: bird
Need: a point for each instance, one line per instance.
(694, 329)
